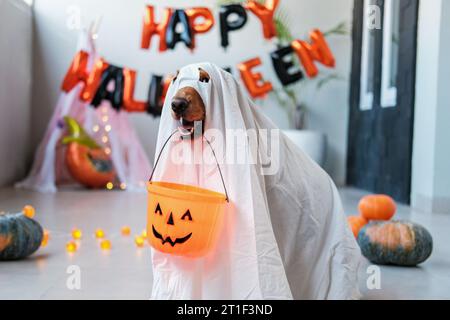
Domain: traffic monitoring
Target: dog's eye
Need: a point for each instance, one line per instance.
(203, 76)
(158, 210)
(187, 215)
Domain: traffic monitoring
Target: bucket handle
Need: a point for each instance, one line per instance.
(215, 158)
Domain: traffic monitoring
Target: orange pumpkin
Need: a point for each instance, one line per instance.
(356, 223)
(377, 207)
(183, 220)
(87, 162)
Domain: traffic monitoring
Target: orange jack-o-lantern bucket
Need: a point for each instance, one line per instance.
(184, 220)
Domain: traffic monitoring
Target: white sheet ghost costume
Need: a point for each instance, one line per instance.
(285, 235)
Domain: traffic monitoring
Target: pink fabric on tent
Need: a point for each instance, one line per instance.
(129, 159)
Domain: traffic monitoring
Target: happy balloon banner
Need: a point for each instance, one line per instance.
(96, 83)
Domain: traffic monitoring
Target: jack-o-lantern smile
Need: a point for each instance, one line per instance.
(170, 222)
(168, 239)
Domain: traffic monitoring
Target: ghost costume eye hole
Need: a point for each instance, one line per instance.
(203, 76)
(187, 215)
(176, 76)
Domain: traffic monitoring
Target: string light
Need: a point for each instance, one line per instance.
(96, 128)
(77, 234)
(144, 234)
(105, 139)
(123, 186)
(108, 151)
(71, 246)
(45, 238)
(99, 233)
(105, 118)
(108, 128)
(126, 230)
(109, 186)
(28, 211)
(105, 244)
(139, 241)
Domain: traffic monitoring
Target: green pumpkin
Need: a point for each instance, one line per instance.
(19, 236)
(399, 243)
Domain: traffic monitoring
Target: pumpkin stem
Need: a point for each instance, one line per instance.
(77, 134)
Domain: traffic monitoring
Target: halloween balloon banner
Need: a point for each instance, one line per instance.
(232, 17)
(96, 83)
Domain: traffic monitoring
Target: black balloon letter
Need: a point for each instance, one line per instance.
(283, 66)
(227, 24)
(172, 36)
(115, 74)
(154, 106)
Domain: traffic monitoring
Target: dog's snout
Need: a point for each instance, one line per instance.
(179, 105)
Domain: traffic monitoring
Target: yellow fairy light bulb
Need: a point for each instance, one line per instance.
(71, 246)
(96, 128)
(108, 151)
(126, 230)
(105, 244)
(123, 186)
(109, 186)
(28, 211)
(139, 241)
(77, 234)
(108, 128)
(45, 238)
(144, 234)
(105, 139)
(105, 118)
(99, 233)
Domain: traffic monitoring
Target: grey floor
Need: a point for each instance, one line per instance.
(125, 271)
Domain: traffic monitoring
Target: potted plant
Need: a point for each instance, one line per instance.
(311, 142)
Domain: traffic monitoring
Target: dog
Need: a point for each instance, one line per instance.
(285, 235)
(188, 106)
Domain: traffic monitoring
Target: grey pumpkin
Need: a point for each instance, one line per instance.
(399, 243)
(19, 236)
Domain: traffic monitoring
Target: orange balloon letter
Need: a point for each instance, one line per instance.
(253, 80)
(129, 103)
(203, 27)
(78, 73)
(152, 28)
(265, 13)
(318, 50)
(93, 80)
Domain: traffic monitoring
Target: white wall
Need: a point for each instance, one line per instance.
(15, 89)
(119, 41)
(431, 150)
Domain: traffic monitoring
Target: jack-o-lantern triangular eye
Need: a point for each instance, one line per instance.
(187, 215)
(158, 210)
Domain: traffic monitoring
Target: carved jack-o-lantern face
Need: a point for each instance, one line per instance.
(171, 222)
(183, 220)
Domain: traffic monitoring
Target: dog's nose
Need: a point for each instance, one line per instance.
(179, 105)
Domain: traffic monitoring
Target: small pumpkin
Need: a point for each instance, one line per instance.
(377, 207)
(395, 242)
(20, 236)
(356, 223)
